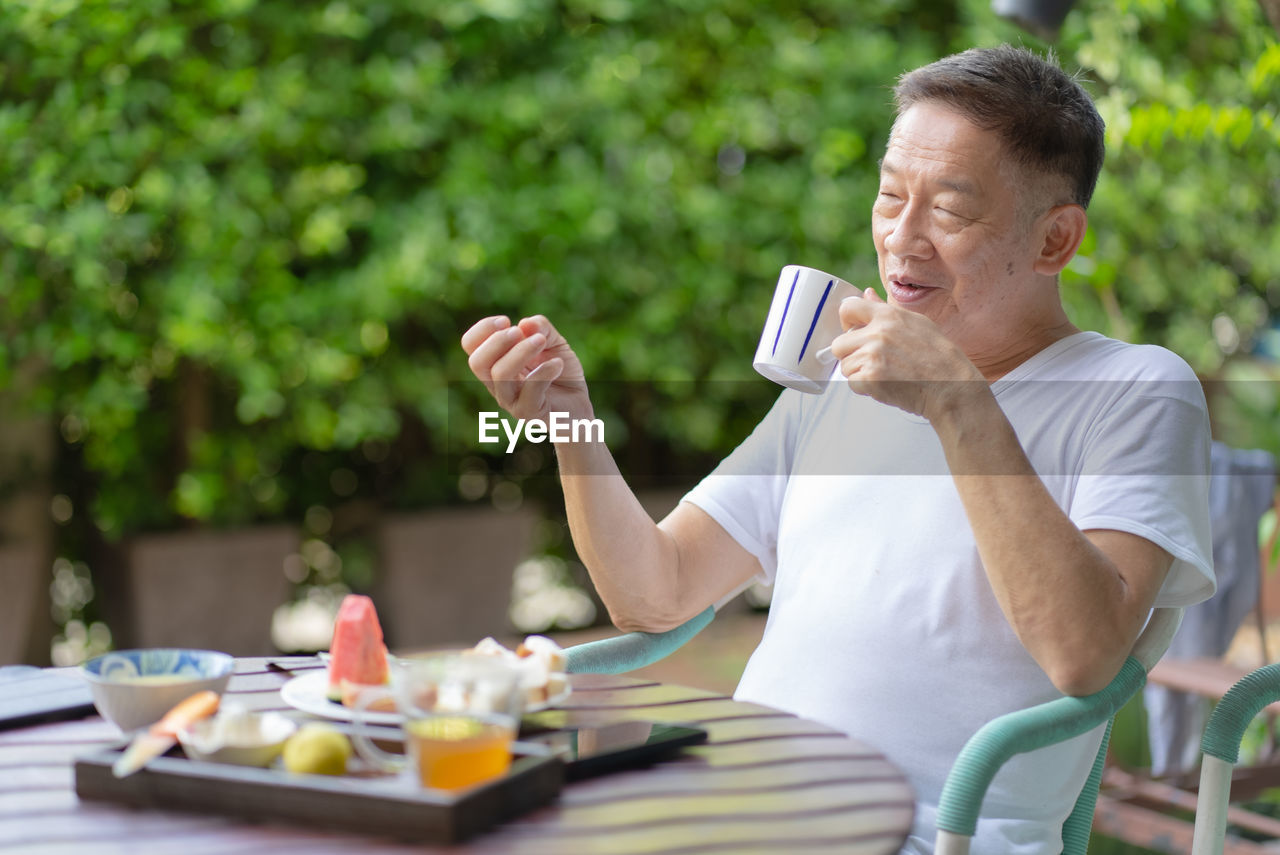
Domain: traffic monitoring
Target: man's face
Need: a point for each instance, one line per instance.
(949, 237)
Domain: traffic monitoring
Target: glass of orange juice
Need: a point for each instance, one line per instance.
(461, 713)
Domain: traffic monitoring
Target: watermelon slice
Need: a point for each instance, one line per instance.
(357, 653)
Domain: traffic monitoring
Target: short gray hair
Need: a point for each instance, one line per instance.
(1047, 121)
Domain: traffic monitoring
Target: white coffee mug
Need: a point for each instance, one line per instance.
(803, 320)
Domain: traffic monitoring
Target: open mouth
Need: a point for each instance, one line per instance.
(907, 292)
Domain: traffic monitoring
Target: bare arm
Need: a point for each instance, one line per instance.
(651, 577)
(1077, 600)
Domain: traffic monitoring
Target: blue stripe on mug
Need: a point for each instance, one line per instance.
(785, 309)
(814, 322)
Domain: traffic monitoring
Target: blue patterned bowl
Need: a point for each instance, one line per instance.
(135, 688)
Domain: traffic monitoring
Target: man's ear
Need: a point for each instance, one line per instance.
(1061, 229)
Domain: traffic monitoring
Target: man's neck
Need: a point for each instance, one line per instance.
(1027, 344)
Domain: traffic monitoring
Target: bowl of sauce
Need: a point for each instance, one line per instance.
(237, 736)
(135, 688)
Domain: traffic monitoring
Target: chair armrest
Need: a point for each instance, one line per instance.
(1221, 747)
(1237, 708)
(1022, 731)
(623, 653)
(1046, 724)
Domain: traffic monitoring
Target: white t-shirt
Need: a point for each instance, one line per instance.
(883, 623)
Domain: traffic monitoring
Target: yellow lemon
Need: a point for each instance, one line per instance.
(317, 749)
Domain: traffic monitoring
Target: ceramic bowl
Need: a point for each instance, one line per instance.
(135, 688)
(247, 739)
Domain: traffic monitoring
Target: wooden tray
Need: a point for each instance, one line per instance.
(381, 805)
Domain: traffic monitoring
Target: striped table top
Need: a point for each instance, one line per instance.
(765, 782)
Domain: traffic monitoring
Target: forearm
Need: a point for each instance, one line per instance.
(632, 562)
(533, 373)
(1067, 601)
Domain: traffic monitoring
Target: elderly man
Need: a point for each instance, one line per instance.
(985, 504)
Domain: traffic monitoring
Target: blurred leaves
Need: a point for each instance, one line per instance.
(243, 238)
(1185, 215)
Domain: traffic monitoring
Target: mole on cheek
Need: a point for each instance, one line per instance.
(1009, 270)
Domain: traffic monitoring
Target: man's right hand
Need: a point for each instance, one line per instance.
(651, 577)
(529, 368)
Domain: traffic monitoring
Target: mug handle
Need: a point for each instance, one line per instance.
(360, 734)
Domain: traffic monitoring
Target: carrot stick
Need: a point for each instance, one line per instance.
(198, 706)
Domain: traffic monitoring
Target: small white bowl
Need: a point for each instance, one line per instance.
(135, 688)
(244, 739)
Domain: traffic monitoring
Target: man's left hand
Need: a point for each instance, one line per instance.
(901, 358)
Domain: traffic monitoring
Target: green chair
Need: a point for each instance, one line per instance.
(622, 653)
(1221, 749)
(985, 752)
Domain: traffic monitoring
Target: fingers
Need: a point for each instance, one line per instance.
(510, 371)
(860, 308)
(485, 356)
(854, 312)
(859, 387)
(489, 339)
(861, 357)
(539, 324)
(851, 367)
(845, 344)
(536, 324)
(534, 389)
(481, 330)
(516, 362)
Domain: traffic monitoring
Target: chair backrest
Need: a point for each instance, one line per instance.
(1221, 747)
(1047, 724)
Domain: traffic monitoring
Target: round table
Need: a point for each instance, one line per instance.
(765, 782)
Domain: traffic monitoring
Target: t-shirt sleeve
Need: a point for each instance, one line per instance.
(744, 494)
(1146, 472)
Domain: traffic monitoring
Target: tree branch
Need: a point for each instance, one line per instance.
(1272, 10)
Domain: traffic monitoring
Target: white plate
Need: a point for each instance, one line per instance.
(550, 702)
(308, 692)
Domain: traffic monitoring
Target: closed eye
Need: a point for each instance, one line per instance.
(888, 199)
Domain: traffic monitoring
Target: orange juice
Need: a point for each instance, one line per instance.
(456, 751)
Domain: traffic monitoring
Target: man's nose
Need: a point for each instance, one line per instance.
(908, 238)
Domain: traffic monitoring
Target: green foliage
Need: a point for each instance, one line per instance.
(1184, 222)
(242, 239)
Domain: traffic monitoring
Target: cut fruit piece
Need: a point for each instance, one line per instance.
(317, 749)
(357, 653)
(381, 701)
